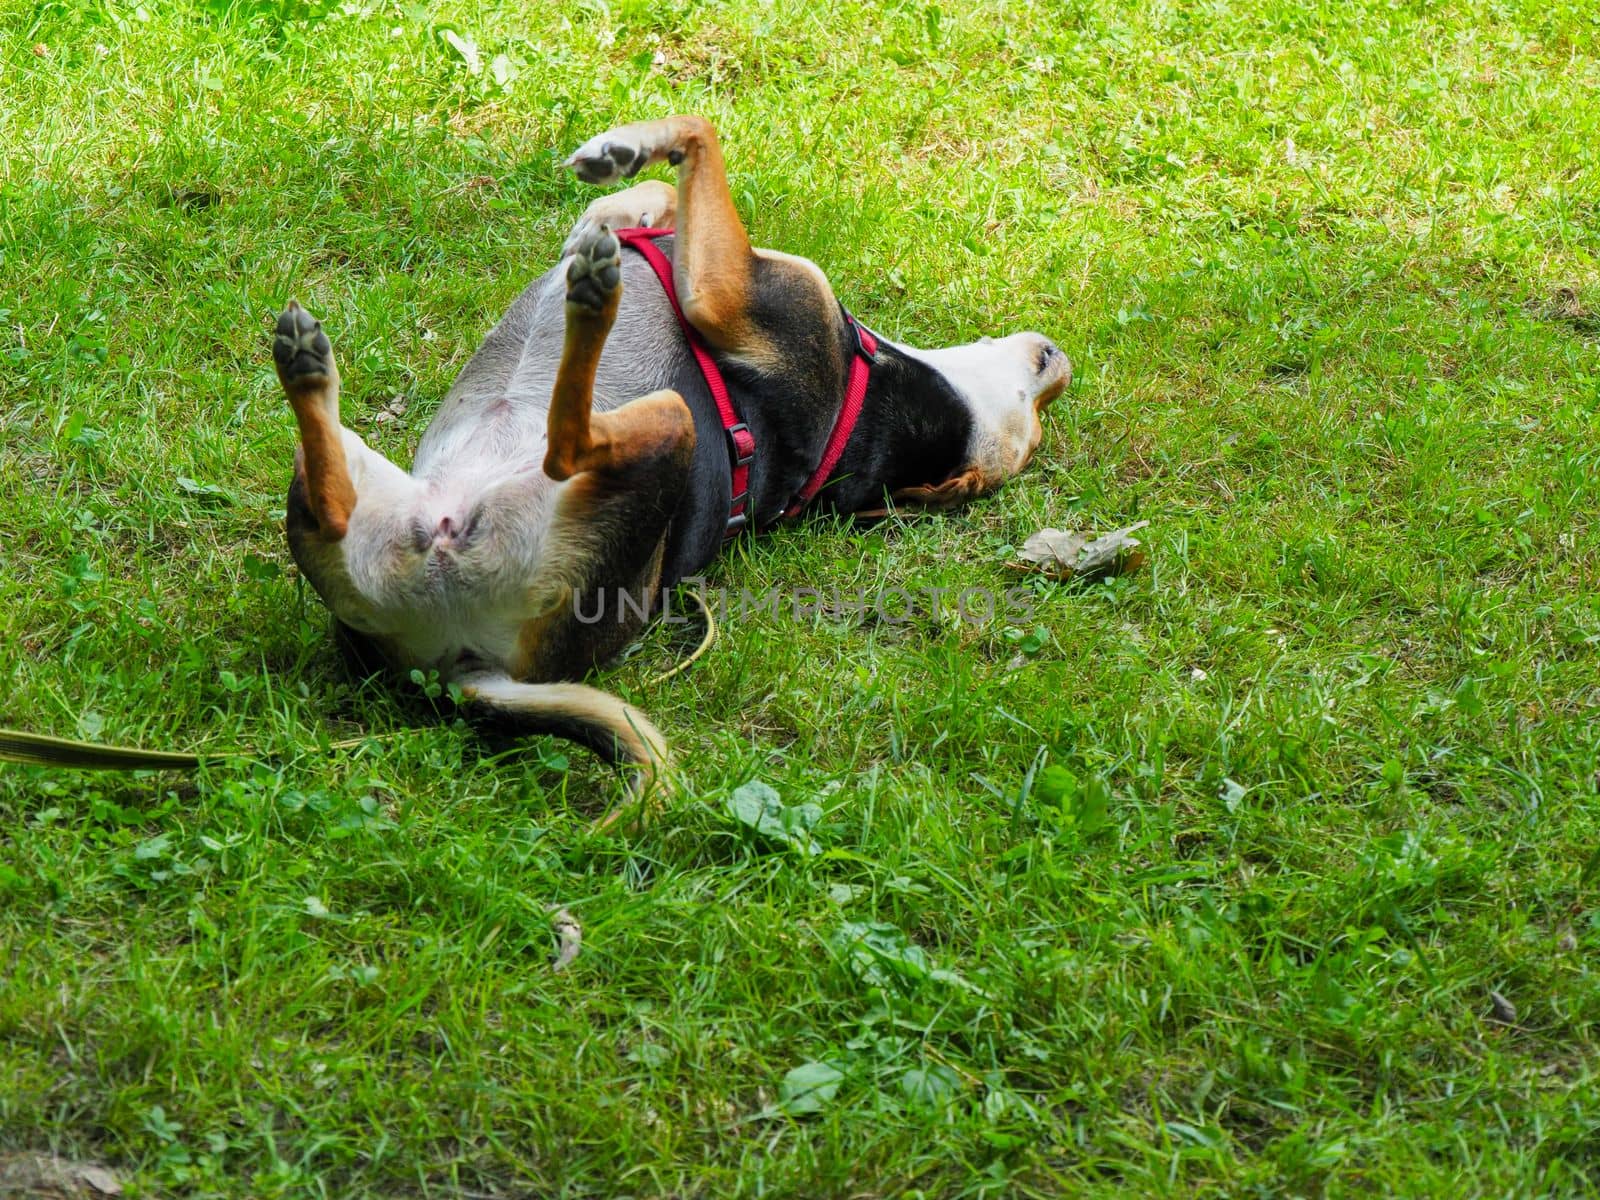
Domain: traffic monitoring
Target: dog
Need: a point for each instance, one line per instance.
(663, 387)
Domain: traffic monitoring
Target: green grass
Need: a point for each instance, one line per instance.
(1197, 884)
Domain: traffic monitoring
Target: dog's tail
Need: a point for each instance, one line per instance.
(615, 730)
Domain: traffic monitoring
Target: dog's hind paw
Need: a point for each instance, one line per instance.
(595, 272)
(300, 349)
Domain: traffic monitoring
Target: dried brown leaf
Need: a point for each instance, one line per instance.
(1068, 554)
(101, 1180)
(394, 410)
(46, 1177)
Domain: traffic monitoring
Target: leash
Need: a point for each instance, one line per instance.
(38, 750)
(41, 750)
(694, 655)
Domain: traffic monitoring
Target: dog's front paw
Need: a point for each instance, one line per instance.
(607, 158)
(595, 272)
(300, 349)
(623, 152)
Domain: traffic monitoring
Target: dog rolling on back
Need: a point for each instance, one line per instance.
(583, 461)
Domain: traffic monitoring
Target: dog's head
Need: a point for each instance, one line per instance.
(1003, 384)
(1007, 382)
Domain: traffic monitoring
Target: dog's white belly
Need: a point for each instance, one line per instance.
(449, 562)
(447, 568)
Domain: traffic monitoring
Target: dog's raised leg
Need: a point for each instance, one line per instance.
(713, 265)
(348, 505)
(625, 469)
(304, 359)
(609, 443)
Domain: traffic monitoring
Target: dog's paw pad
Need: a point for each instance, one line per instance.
(606, 159)
(300, 349)
(596, 269)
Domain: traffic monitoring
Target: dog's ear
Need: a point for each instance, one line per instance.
(958, 489)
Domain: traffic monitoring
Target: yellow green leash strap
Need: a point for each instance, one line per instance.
(705, 643)
(40, 750)
(37, 750)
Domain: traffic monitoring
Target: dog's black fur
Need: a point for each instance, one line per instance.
(913, 429)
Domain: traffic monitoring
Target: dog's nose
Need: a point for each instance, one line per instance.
(1054, 373)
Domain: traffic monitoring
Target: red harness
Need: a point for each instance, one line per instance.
(741, 443)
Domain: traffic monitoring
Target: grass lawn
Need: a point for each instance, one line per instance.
(1270, 870)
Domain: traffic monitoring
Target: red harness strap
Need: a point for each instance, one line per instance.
(741, 443)
(855, 391)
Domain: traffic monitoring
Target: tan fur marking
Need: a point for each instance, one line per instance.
(554, 606)
(958, 489)
(1047, 397)
(712, 259)
(569, 437)
(640, 429)
(614, 440)
(329, 490)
